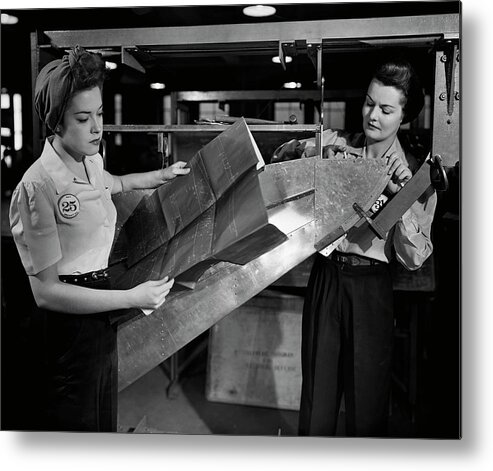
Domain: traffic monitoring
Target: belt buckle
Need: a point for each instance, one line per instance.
(94, 275)
(350, 260)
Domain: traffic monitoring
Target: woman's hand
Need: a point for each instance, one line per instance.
(146, 180)
(290, 150)
(150, 295)
(178, 168)
(400, 172)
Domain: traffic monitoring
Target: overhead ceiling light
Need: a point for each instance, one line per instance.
(157, 86)
(9, 19)
(5, 101)
(277, 59)
(292, 85)
(259, 10)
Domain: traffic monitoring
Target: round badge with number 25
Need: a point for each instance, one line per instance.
(69, 206)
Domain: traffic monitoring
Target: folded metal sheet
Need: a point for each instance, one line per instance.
(304, 199)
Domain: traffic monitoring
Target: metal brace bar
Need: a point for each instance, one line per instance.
(373, 225)
(446, 103)
(450, 64)
(281, 56)
(319, 66)
(261, 34)
(314, 49)
(285, 48)
(449, 59)
(130, 60)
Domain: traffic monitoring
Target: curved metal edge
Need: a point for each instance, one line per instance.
(206, 305)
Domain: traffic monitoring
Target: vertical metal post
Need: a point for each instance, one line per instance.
(321, 125)
(174, 120)
(321, 85)
(162, 148)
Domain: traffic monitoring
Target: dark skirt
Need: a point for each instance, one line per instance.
(347, 336)
(80, 365)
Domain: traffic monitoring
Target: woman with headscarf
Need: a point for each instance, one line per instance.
(63, 222)
(347, 329)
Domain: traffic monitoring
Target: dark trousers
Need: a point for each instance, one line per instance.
(347, 336)
(80, 369)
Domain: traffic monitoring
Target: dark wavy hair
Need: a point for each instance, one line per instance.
(88, 71)
(399, 73)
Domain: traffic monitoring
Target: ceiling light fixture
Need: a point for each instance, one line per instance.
(157, 86)
(277, 59)
(5, 100)
(292, 85)
(9, 19)
(259, 10)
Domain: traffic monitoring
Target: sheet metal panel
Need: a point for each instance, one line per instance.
(147, 341)
(289, 190)
(341, 183)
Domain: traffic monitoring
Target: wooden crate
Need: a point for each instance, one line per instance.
(255, 353)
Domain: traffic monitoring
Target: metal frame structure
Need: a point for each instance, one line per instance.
(238, 38)
(440, 33)
(313, 38)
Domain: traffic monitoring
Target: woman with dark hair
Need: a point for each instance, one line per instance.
(63, 222)
(347, 330)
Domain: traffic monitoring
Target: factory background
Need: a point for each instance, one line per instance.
(177, 396)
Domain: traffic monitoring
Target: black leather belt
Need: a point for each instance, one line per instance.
(354, 260)
(86, 277)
